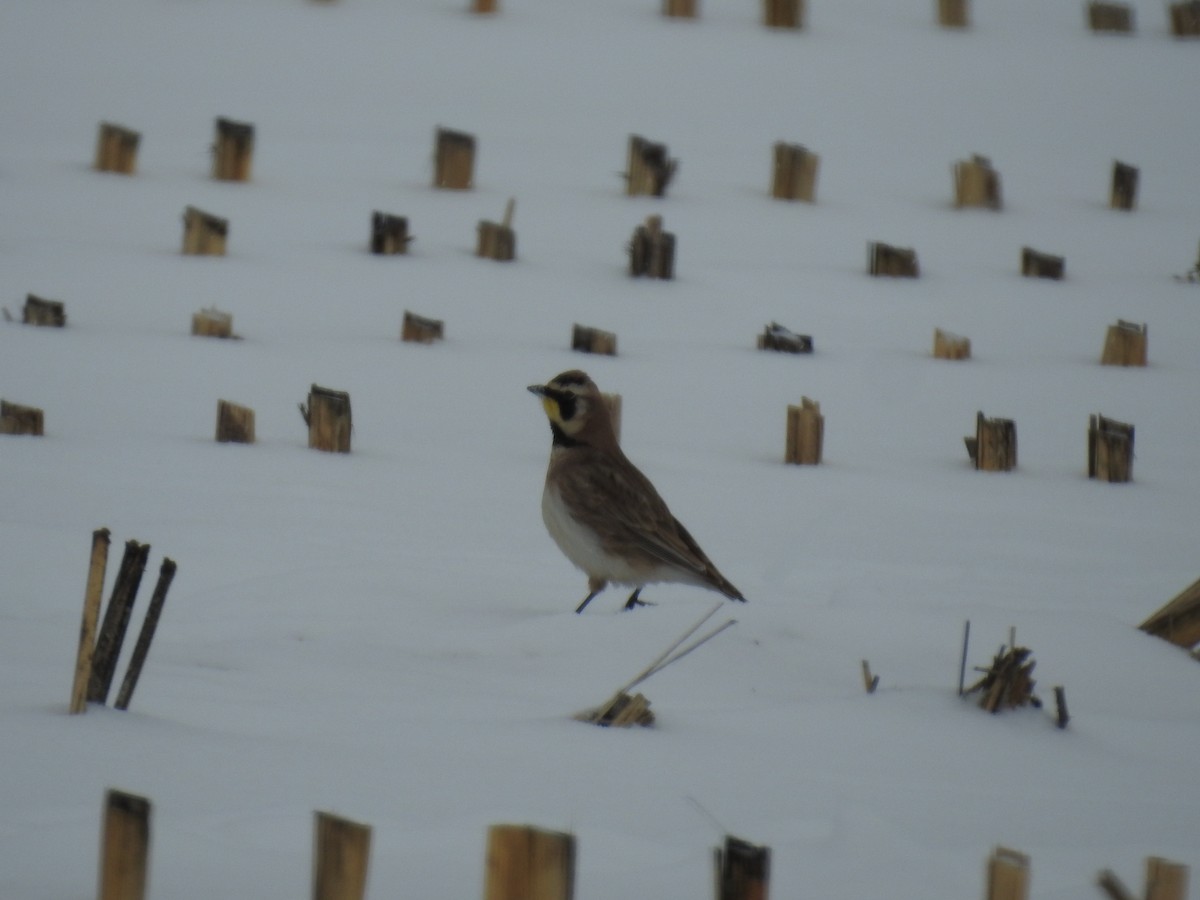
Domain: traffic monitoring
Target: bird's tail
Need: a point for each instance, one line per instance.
(725, 586)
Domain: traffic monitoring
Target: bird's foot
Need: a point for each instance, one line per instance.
(634, 601)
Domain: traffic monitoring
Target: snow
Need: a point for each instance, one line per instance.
(390, 634)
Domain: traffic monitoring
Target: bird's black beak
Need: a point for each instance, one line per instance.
(539, 389)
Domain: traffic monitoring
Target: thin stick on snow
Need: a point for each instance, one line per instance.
(962, 666)
(721, 829)
(684, 652)
(116, 621)
(669, 655)
(870, 682)
(142, 648)
(1108, 882)
(1062, 717)
(687, 634)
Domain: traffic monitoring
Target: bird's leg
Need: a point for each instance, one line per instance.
(595, 587)
(633, 600)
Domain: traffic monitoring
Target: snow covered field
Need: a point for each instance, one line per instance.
(390, 634)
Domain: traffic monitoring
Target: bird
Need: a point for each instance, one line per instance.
(602, 512)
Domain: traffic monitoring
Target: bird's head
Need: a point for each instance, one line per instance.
(574, 407)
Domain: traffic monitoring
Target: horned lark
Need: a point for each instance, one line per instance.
(603, 513)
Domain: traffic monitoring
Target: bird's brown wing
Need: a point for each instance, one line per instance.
(621, 505)
(710, 574)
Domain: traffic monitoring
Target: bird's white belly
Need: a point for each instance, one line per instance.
(582, 547)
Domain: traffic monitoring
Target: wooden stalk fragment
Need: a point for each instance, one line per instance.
(952, 13)
(593, 340)
(652, 250)
(680, 9)
(994, 446)
(896, 262)
(116, 621)
(389, 234)
(18, 419)
(650, 168)
(420, 330)
(1007, 875)
(870, 682)
(116, 149)
(527, 863)
(743, 870)
(203, 233)
(1110, 17)
(1061, 716)
(454, 160)
(613, 402)
(341, 852)
(125, 847)
(783, 13)
(149, 624)
(233, 150)
(212, 322)
(776, 337)
(235, 424)
(92, 597)
(794, 173)
(497, 240)
(1123, 192)
(805, 433)
(950, 346)
(1125, 344)
(1035, 264)
(1185, 18)
(38, 311)
(621, 710)
(327, 415)
(1165, 880)
(1178, 621)
(976, 183)
(1110, 449)
(1008, 682)
(1108, 882)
